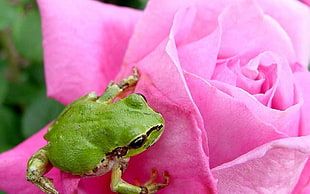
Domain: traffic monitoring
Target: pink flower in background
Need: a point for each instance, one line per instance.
(306, 2)
(229, 77)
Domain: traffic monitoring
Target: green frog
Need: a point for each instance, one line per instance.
(97, 134)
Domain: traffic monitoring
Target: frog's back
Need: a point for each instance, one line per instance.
(86, 131)
(71, 138)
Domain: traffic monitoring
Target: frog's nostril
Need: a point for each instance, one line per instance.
(157, 128)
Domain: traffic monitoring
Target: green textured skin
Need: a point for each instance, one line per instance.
(87, 130)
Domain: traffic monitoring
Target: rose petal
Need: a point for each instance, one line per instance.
(14, 164)
(84, 45)
(160, 14)
(302, 80)
(95, 185)
(306, 2)
(234, 123)
(296, 24)
(271, 168)
(267, 76)
(247, 31)
(303, 185)
(278, 77)
(199, 56)
(69, 182)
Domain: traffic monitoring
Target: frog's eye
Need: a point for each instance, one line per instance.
(142, 96)
(138, 142)
(135, 101)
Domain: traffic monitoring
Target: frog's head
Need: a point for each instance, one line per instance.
(145, 125)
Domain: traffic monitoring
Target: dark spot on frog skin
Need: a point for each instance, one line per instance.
(95, 170)
(77, 127)
(118, 152)
(124, 86)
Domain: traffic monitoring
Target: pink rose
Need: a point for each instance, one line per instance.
(230, 79)
(306, 2)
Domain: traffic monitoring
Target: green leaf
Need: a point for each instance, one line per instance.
(31, 81)
(4, 148)
(138, 4)
(9, 131)
(143, 3)
(40, 112)
(35, 74)
(7, 14)
(27, 36)
(20, 94)
(3, 85)
(28, 1)
(2, 192)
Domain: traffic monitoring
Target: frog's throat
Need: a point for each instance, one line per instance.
(106, 166)
(108, 162)
(118, 152)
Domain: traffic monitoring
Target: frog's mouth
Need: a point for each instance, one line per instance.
(139, 144)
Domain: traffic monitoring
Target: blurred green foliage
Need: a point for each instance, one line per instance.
(24, 107)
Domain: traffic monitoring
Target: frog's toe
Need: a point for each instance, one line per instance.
(150, 186)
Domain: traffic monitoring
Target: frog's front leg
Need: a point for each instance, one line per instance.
(37, 166)
(113, 90)
(120, 186)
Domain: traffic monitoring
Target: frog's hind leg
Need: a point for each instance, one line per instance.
(113, 90)
(37, 166)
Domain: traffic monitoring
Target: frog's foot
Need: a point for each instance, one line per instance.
(130, 80)
(150, 186)
(37, 166)
(120, 186)
(114, 90)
